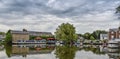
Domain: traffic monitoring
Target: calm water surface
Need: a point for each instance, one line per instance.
(45, 51)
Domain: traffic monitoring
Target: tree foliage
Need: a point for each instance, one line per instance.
(92, 38)
(8, 38)
(87, 35)
(94, 35)
(118, 12)
(2, 33)
(66, 32)
(118, 9)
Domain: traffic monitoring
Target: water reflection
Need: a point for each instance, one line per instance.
(61, 52)
(114, 53)
(1, 47)
(65, 52)
(30, 49)
(96, 49)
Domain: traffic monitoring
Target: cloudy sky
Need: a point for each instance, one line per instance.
(46, 15)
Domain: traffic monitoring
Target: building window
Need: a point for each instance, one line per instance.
(112, 37)
(112, 32)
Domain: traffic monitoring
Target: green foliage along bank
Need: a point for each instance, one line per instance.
(95, 35)
(8, 38)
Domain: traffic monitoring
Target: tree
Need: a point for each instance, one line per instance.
(118, 9)
(87, 35)
(2, 33)
(25, 30)
(66, 32)
(96, 34)
(8, 38)
(92, 38)
(118, 12)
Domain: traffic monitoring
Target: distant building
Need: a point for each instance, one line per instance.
(19, 35)
(103, 36)
(25, 35)
(114, 33)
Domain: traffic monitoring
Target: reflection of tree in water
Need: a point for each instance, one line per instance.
(95, 50)
(8, 49)
(65, 52)
(1, 47)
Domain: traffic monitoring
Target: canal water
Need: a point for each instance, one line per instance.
(50, 51)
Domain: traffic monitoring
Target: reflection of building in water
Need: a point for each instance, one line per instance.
(24, 50)
(20, 50)
(114, 53)
(1, 47)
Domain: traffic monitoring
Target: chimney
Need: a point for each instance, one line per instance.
(24, 30)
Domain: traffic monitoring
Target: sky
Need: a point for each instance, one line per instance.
(46, 15)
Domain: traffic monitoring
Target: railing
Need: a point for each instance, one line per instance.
(30, 41)
(34, 41)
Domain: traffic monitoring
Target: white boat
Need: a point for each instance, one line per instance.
(113, 46)
(118, 40)
(112, 42)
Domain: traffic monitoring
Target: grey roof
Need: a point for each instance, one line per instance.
(114, 29)
(18, 32)
(29, 32)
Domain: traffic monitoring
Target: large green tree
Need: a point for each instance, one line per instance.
(8, 38)
(66, 32)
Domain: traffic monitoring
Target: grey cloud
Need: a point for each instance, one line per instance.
(32, 13)
(60, 8)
